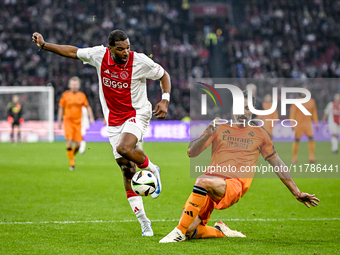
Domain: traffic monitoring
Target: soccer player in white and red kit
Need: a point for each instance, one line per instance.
(332, 112)
(122, 78)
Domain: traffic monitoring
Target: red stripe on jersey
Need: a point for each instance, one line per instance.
(116, 83)
(336, 113)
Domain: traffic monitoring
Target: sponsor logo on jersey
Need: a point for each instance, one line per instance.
(114, 84)
(226, 132)
(238, 139)
(132, 120)
(158, 70)
(114, 75)
(107, 71)
(251, 133)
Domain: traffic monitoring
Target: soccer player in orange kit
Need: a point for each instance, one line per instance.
(70, 109)
(304, 125)
(239, 146)
(267, 104)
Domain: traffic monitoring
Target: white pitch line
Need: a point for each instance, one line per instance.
(163, 220)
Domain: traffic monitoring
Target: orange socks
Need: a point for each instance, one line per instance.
(311, 148)
(193, 206)
(70, 155)
(206, 232)
(295, 149)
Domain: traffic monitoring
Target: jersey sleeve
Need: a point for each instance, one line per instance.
(62, 101)
(152, 70)
(85, 101)
(9, 109)
(267, 148)
(90, 55)
(328, 109)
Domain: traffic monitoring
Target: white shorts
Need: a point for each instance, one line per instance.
(334, 129)
(135, 125)
(83, 131)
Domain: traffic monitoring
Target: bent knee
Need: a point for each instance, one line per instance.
(122, 149)
(203, 182)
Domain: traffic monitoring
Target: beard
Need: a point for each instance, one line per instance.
(241, 118)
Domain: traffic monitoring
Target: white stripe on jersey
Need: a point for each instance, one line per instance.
(115, 75)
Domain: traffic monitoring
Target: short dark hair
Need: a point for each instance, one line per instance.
(116, 36)
(245, 93)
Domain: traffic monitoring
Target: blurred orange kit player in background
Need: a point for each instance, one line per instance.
(70, 109)
(304, 125)
(268, 125)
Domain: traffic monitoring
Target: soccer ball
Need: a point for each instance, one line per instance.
(144, 183)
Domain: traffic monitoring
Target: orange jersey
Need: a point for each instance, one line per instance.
(72, 104)
(300, 117)
(239, 147)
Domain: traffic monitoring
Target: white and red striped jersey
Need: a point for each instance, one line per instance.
(122, 87)
(333, 112)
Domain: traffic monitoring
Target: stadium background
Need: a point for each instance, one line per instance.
(46, 210)
(245, 39)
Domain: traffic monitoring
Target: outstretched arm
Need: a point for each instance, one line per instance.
(287, 179)
(161, 109)
(63, 50)
(197, 146)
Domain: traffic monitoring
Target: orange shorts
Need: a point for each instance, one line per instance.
(307, 129)
(72, 131)
(232, 194)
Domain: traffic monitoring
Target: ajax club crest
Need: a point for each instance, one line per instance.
(124, 75)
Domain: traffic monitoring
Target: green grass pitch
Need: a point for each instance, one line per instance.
(47, 209)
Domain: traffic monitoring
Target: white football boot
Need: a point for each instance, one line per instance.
(146, 228)
(227, 231)
(174, 236)
(157, 173)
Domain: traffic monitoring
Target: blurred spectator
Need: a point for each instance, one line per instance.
(155, 28)
(285, 39)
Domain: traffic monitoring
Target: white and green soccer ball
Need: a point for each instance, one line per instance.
(144, 183)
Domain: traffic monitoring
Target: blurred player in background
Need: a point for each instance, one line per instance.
(85, 124)
(332, 113)
(122, 78)
(304, 125)
(70, 109)
(267, 104)
(258, 103)
(221, 189)
(14, 113)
